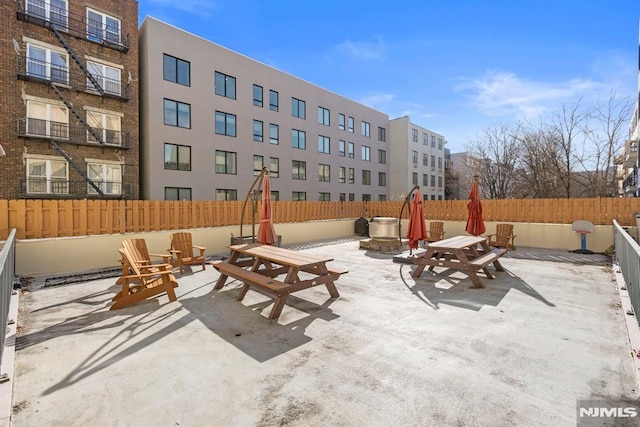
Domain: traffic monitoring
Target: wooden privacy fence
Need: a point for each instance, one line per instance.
(35, 219)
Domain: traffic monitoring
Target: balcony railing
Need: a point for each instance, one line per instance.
(62, 188)
(46, 129)
(44, 14)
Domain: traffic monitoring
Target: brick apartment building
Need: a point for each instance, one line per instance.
(68, 84)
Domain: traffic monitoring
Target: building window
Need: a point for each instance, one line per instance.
(440, 181)
(176, 70)
(366, 197)
(425, 179)
(433, 161)
(274, 167)
(382, 198)
(352, 197)
(342, 174)
(258, 164)
(425, 159)
(45, 119)
(324, 197)
(105, 126)
(382, 134)
(323, 116)
(382, 179)
(107, 177)
(425, 139)
(225, 85)
(433, 141)
(366, 177)
(298, 196)
(225, 124)
(414, 178)
(324, 173)
(273, 100)
(257, 95)
(365, 129)
(352, 176)
(47, 64)
(177, 114)
(341, 121)
(414, 135)
(298, 139)
(342, 148)
(382, 157)
(177, 193)
(274, 134)
(258, 131)
(350, 121)
(351, 150)
(439, 143)
(108, 78)
(225, 162)
(366, 153)
(439, 162)
(298, 108)
(177, 157)
(53, 11)
(324, 144)
(47, 176)
(102, 27)
(298, 170)
(433, 180)
(343, 197)
(225, 194)
(414, 157)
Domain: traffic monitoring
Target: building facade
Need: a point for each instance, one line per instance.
(211, 119)
(417, 159)
(69, 91)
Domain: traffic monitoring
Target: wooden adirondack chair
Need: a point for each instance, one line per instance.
(183, 249)
(436, 231)
(140, 282)
(138, 249)
(504, 237)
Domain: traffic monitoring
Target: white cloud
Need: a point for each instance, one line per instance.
(367, 50)
(377, 100)
(203, 8)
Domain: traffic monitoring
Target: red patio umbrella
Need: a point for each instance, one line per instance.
(266, 232)
(475, 223)
(417, 230)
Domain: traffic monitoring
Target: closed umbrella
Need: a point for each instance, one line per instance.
(266, 232)
(475, 223)
(417, 230)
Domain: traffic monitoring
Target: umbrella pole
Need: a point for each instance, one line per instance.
(406, 203)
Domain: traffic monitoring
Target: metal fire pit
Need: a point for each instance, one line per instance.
(384, 228)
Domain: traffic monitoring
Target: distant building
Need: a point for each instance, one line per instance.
(463, 173)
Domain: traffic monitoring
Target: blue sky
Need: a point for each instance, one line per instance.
(454, 67)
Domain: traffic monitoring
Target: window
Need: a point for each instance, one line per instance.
(54, 11)
(440, 181)
(298, 196)
(324, 197)
(45, 176)
(382, 134)
(352, 176)
(44, 119)
(425, 179)
(323, 116)
(425, 139)
(343, 197)
(274, 134)
(414, 135)
(298, 169)
(366, 197)
(177, 157)
(298, 108)
(324, 173)
(177, 114)
(225, 162)
(341, 148)
(274, 167)
(106, 176)
(275, 195)
(366, 153)
(258, 164)
(439, 162)
(433, 141)
(382, 157)
(351, 151)
(176, 70)
(414, 178)
(433, 180)
(298, 139)
(225, 85)
(365, 129)
(382, 179)
(433, 161)
(105, 126)
(382, 198)
(273, 100)
(366, 177)
(108, 78)
(414, 157)
(324, 143)
(225, 124)
(341, 120)
(224, 194)
(425, 159)
(342, 174)
(102, 27)
(439, 143)
(47, 64)
(257, 95)
(350, 124)
(258, 131)
(177, 193)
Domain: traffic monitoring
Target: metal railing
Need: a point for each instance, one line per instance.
(628, 256)
(52, 188)
(7, 274)
(76, 134)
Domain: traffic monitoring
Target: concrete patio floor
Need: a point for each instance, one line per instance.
(392, 350)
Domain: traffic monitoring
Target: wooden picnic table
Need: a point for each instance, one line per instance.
(258, 266)
(460, 253)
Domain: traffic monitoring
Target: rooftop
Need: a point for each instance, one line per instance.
(391, 350)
